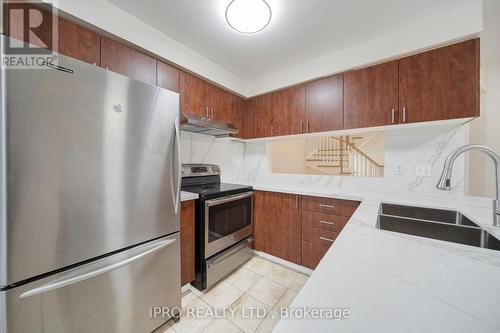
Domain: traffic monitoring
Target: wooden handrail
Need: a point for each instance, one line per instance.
(350, 145)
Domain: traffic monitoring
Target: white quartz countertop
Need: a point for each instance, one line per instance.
(392, 282)
(186, 196)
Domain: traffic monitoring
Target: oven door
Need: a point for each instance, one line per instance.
(227, 221)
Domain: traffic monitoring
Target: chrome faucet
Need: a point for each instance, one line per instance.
(445, 180)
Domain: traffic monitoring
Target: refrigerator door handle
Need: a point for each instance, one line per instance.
(89, 271)
(178, 166)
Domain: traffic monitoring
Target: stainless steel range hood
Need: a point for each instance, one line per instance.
(207, 126)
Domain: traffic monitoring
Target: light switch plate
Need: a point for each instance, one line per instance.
(399, 169)
(423, 170)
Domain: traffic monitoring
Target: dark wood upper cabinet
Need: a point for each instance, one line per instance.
(436, 85)
(192, 91)
(218, 102)
(371, 96)
(79, 43)
(289, 110)
(72, 39)
(123, 59)
(167, 76)
(440, 84)
(238, 110)
(324, 104)
(259, 117)
(204, 99)
(277, 227)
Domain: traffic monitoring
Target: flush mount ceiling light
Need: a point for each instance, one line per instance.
(248, 16)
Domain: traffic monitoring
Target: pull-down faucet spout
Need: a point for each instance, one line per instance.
(444, 183)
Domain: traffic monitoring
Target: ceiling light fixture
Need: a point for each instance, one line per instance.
(248, 16)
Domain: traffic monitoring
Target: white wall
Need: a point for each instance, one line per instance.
(486, 129)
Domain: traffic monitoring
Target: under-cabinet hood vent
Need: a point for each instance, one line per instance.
(207, 126)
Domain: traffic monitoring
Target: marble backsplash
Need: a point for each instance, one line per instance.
(407, 147)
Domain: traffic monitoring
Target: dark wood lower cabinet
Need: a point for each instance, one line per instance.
(329, 205)
(319, 236)
(312, 253)
(297, 228)
(187, 242)
(324, 221)
(277, 227)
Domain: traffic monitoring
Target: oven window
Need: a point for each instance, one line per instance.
(226, 218)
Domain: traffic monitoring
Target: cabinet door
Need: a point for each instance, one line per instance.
(277, 228)
(289, 110)
(73, 40)
(123, 59)
(440, 84)
(371, 95)
(167, 76)
(259, 116)
(219, 103)
(312, 253)
(238, 110)
(193, 92)
(324, 104)
(187, 242)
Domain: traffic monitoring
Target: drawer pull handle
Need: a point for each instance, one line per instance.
(326, 239)
(327, 206)
(326, 222)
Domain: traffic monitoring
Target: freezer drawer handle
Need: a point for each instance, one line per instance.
(87, 273)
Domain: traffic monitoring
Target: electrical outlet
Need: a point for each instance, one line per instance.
(399, 169)
(423, 170)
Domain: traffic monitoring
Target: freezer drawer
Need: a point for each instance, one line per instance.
(114, 294)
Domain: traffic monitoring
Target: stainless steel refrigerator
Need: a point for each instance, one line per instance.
(90, 190)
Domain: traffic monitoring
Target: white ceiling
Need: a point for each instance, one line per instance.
(300, 30)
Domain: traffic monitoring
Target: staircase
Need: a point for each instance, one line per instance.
(341, 156)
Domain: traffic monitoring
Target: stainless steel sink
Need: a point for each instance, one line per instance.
(445, 225)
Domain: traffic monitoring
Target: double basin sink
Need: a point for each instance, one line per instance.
(445, 225)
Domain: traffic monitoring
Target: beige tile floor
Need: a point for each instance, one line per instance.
(259, 284)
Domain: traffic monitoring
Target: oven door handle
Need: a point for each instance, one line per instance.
(219, 201)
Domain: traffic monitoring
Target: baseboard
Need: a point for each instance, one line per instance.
(284, 262)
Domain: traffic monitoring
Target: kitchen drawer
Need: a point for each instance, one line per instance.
(319, 236)
(323, 221)
(329, 205)
(312, 253)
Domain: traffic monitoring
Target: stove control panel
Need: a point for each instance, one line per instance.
(199, 170)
